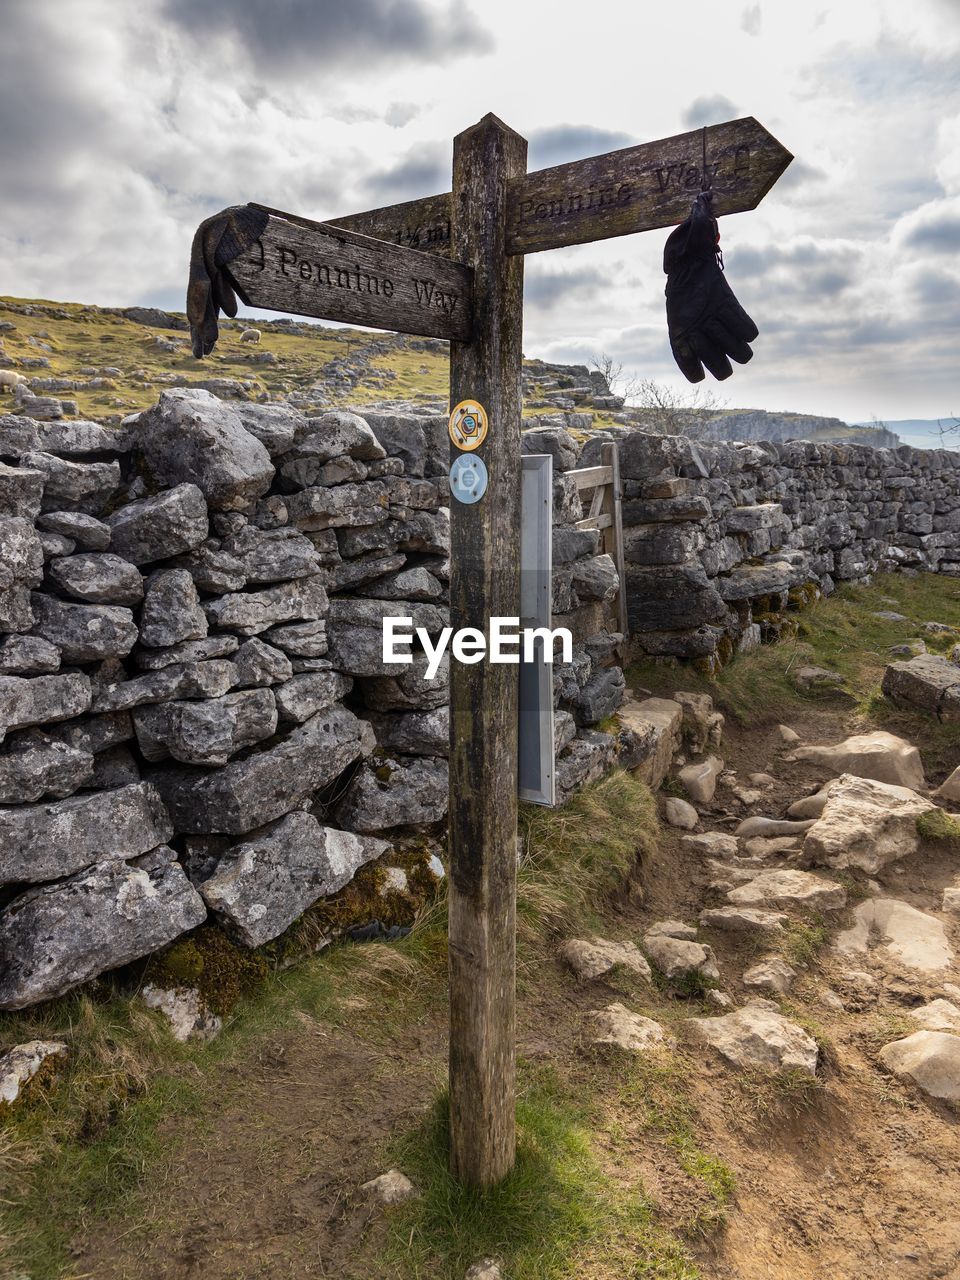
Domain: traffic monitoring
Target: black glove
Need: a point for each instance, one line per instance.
(705, 322)
(217, 242)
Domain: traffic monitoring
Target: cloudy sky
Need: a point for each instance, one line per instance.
(123, 125)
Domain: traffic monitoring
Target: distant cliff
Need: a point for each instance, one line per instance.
(758, 424)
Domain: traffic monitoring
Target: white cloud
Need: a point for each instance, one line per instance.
(126, 126)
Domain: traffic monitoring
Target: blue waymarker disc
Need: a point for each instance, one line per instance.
(468, 478)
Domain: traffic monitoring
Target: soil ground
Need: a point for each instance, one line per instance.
(858, 1179)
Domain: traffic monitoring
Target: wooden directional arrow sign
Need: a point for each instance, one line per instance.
(636, 189)
(311, 269)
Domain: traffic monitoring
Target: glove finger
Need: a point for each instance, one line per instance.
(711, 355)
(721, 337)
(687, 361)
(223, 294)
(733, 315)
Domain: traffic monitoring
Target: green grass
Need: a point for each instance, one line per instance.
(804, 941)
(89, 337)
(557, 1211)
(840, 634)
(574, 857)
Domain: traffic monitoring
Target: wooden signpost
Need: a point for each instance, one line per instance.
(451, 266)
(636, 189)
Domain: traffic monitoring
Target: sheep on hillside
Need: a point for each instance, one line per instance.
(10, 380)
(250, 335)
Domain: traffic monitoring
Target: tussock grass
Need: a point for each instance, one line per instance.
(573, 858)
(558, 1209)
(938, 825)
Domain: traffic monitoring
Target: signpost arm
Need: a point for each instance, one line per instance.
(485, 582)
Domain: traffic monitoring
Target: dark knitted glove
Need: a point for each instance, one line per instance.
(705, 321)
(217, 242)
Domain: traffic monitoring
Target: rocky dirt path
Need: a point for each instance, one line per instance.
(843, 1168)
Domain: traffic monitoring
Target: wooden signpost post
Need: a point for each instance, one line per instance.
(451, 266)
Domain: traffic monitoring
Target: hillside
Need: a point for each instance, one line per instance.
(103, 363)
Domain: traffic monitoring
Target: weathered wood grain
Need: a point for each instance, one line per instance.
(635, 189)
(644, 187)
(312, 269)
(485, 582)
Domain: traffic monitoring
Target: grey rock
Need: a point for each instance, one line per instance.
(266, 881)
(392, 1187)
(18, 1066)
(275, 555)
(249, 613)
(556, 441)
(409, 691)
(21, 567)
(672, 598)
(171, 610)
(304, 695)
(179, 680)
(21, 491)
(600, 697)
(48, 841)
(55, 545)
(57, 936)
(188, 651)
(401, 437)
(36, 765)
(676, 958)
(206, 732)
(927, 682)
(274, 425)
(587, 758)
(246, 793)
(409, 584)
(415, 733)
(343, 505)
(302, 639)
(257, 664)
(97, 578)
(84, 632)
(25, 702)
(388, 793)
(184, 1010)
(28, 656)
(355, 632)
(340, 432)
(571, 544)
(191, 436)
(423, 531)
(155, 528)
(115, 767)
(82, 486)
(212, 569)
(17, 435)
(353, 574)
(80, 437)
(596, 957)
(757, 1036)
(596, 578)
(94, 733)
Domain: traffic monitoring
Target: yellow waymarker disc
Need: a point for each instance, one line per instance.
(468, 425)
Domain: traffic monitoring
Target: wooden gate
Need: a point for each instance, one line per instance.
(605, 514)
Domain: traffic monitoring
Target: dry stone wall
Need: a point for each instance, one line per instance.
(195, 717)
(722, 539)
